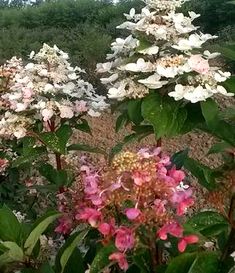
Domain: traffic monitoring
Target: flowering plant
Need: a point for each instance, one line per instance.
(47, 89)
(136, 202)
(162, 58)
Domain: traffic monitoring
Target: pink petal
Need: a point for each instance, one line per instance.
(182, 245)
(132, 213)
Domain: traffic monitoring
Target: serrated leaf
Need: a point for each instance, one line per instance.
(13, 254)
(39, 227)
(102, 259)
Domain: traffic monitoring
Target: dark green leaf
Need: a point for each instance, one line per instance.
(83, 126)
(206, 176)
(121, 122)
(209, 223)
(178, 158)
(134, 111)
(164, 114)
(10, 228)
(68, 248)
(57, 177)
(206, 262)
(32, 154)
(102, 259)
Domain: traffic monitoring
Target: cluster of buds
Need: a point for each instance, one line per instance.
(139, 199)
(47, 88)
(162, 52)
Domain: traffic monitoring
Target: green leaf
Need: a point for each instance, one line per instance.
(45, 268)
(57, 177)
(134, 111)
(206, 262)
(10, 227)
(83, 126)
(70, 246)
(216, 126)
(57, 141)
(13, 254)
(164, 114)
(230, 84)
(102, 259)
(39, 227)
(179, 158)
(209, 223)
(85, 148)
(30, 156)
(206, 176)
(64, 133)
(142, 259)
(210, 112)
(220, 147)
(121, 121)
(181, 263)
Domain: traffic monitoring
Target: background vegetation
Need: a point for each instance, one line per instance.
(85, 28)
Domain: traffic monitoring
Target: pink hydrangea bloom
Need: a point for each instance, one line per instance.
(120, 258)
(198, 64)
(92, 216)
(124, 239)
(183, 200)
(174, 229)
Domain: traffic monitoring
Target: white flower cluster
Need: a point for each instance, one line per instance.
(164, 50)
(46, 88)
(20, 216)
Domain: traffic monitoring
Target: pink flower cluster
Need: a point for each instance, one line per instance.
(140, 191)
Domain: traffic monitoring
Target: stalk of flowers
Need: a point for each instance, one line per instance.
(141, 198)
(163, 52)
(48, 89)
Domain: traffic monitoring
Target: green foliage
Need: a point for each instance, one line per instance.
(210, 224)
(38, 229)
(10, 228)
(194, 263)
(65, 255)
(102, 259)
(83, 28)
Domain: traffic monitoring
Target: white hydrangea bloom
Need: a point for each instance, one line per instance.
(163, 52)
(48, 87)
